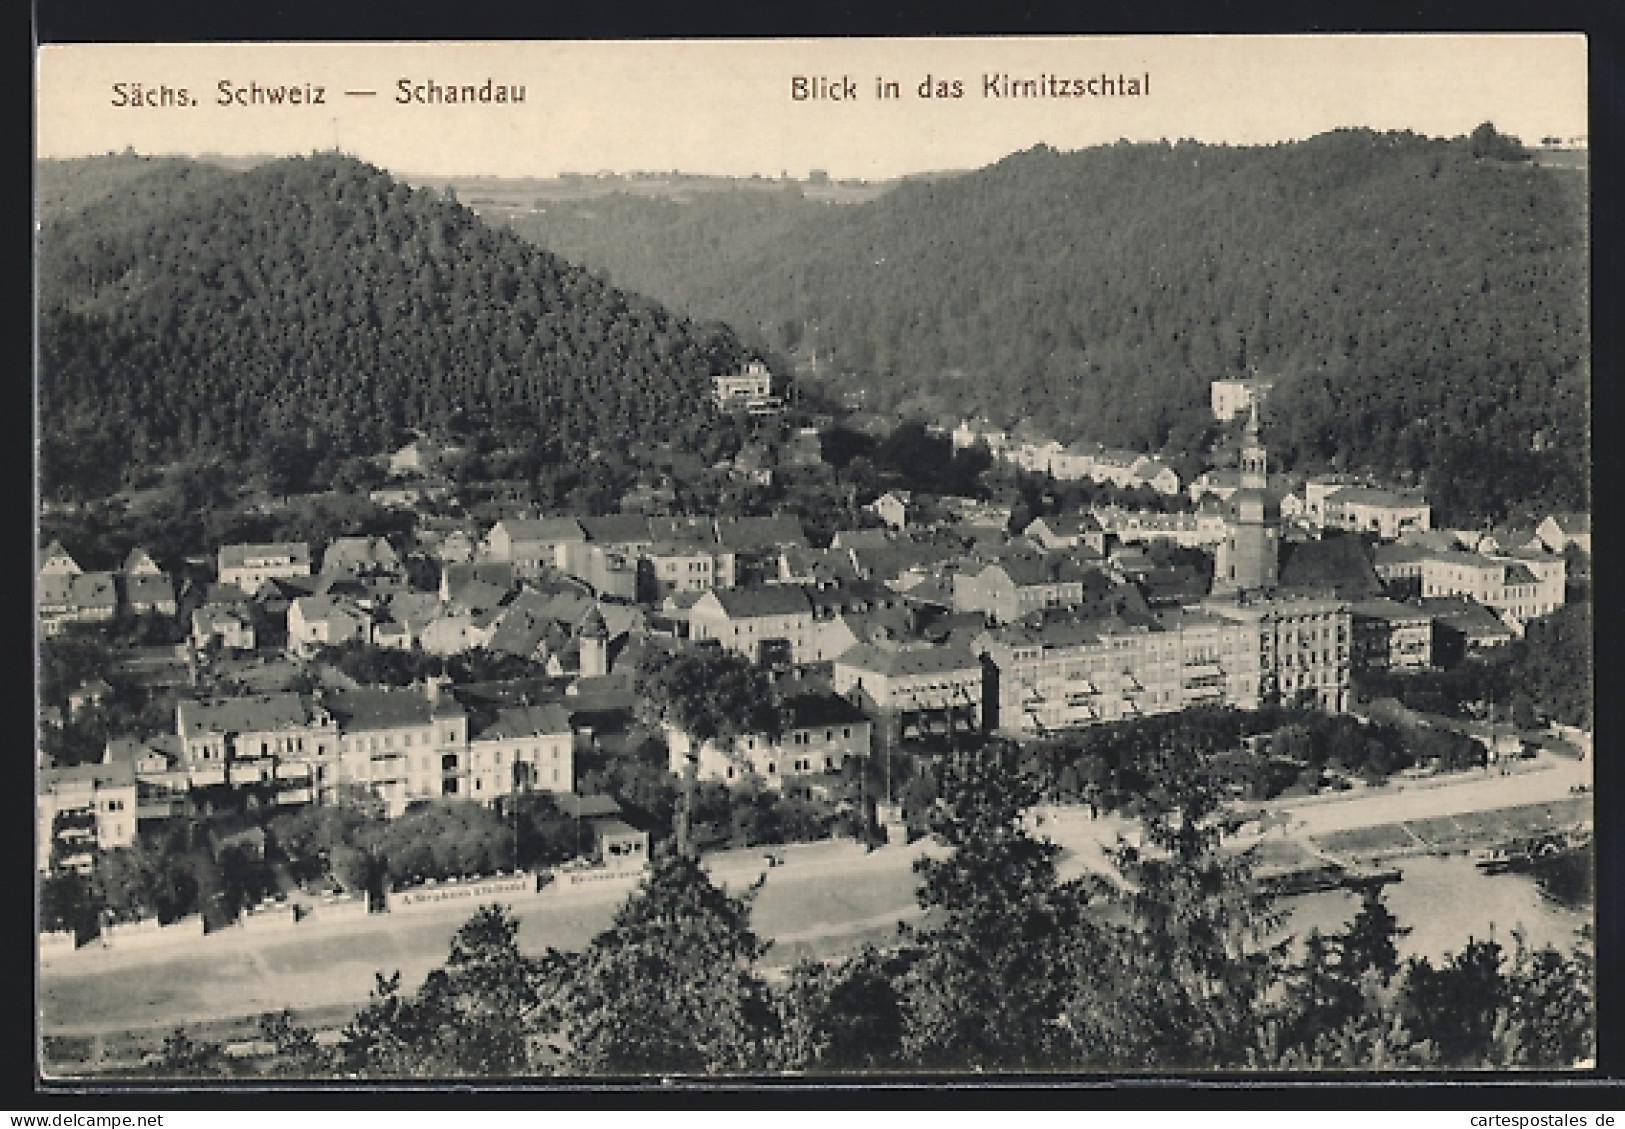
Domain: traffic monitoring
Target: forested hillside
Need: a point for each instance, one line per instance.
(317, 305)
(1423, 301)
(68, 188)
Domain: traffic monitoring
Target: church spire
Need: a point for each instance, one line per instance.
(1254, 459)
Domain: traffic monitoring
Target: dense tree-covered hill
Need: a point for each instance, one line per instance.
(316, 302)
(1422, 300)
(63, 189)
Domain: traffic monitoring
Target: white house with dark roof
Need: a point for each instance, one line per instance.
(230, 626)
(160, 776)
(416, 458)
(1012, 584)
(81, 810)
(524, 749)
(893, 507)
(456, 630)
(147, 589)
(628, 534)
(57, 561)
(532, 545)
(258, 739)
(765, 625)
(816, 566)
(326, 621)
(1517, 588)
(1511, 537)
(360, 556)
(249, 566)
(82, 597)
(927, 688)
(67, 594)
(403, 744)
(750, 389)
(1366, 509)
(1230, 398)
(668, 567)
(1067, 531)
(820, 732)
(1558, 531)
(1461, 627)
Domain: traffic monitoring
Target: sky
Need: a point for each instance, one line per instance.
(727, 107)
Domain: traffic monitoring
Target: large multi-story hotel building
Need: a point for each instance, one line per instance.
(1064, 673)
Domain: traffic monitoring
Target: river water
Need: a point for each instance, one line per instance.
(1445, 901)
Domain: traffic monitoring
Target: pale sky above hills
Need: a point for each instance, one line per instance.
(725, 107)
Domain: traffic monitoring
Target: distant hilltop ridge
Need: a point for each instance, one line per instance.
(318, 305)
(1423, 299)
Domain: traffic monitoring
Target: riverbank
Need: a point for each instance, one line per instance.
(822, 900)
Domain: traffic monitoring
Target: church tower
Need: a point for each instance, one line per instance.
(592, 636)
(1249, 557)
(1254, 458)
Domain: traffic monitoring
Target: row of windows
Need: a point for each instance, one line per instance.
(496, 755)
(804, 737)
(371, 744)
(803, 764)
(498, 783)
(954, 684)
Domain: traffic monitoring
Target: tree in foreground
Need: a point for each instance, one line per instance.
(478, 1015)
(1175, 968)
(985, 987)
(710, 696)
(1176, 971)
(671, 986)
(841, 1016)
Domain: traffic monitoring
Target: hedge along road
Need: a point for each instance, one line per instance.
(825, 898)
